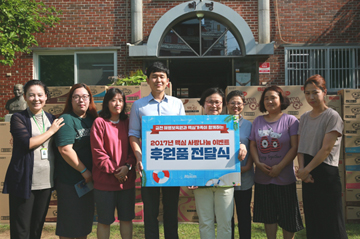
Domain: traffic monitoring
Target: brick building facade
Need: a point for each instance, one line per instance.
(307, 37)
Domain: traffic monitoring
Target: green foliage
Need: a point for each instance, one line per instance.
(135, 78)
(19, 20)
(4, 228)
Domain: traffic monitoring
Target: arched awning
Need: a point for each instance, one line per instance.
(214, 10)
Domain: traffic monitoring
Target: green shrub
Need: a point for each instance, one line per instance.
(135, 78)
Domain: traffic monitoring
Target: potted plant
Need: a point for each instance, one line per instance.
(135, 78)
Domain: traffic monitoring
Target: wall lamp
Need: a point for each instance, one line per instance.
(200, 15)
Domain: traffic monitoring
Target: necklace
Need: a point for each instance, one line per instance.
(114, 122)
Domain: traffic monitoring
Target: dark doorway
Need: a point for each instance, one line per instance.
(190, 77)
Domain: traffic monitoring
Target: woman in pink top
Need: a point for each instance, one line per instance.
(113, 160)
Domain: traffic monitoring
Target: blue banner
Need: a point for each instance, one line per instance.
(194, 150)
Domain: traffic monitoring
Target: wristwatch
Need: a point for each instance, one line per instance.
(129, 166)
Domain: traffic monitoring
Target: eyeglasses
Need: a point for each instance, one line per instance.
(84, 97)
(216, 103)
(236, 103)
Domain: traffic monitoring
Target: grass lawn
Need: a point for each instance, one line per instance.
(188, 231)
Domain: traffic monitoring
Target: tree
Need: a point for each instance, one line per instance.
(19, 20)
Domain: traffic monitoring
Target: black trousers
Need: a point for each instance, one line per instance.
(151, 200)
(322, 203)
(27, 216)
(243, 211)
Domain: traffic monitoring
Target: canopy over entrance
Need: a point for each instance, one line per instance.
(232, 25)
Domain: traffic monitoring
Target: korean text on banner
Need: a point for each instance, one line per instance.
(193, 150)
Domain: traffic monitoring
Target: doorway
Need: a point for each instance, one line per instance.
(190, 77)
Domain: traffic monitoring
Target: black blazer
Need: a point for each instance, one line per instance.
(18, 177)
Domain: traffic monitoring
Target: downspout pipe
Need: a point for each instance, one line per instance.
(136, 21)
(264, 21)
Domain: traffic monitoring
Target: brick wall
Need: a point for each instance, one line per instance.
(94, 23)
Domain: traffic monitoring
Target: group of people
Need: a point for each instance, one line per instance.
(105, 149)
(77, 148)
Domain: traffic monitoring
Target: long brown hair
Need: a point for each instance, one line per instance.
(68, 104)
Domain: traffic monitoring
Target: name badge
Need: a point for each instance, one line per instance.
(44, 153)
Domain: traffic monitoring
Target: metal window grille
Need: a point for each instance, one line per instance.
(340, 66)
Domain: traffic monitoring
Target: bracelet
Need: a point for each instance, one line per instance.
(83, 170)
(129, 166)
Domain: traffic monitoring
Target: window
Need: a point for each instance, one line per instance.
(200, 38)
(167, 39)
(95, 69)
(59, 68)
(340, 66)
(56, 70)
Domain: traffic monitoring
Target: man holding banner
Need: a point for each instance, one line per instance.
(155, 104)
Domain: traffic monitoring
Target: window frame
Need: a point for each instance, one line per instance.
(352, 59)
(228, 28)
(37, 54)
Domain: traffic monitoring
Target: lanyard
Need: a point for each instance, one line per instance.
(43, 150)
(43, 131)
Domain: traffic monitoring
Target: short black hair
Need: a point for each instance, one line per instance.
(210, 91)
(235, 93)
(157, 66)
(111, 93)
(285, 102)
(35, 82)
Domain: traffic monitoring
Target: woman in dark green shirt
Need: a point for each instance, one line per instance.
(74, 164)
